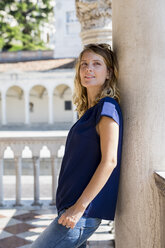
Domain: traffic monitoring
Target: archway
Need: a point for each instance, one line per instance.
(15, 105)
(38, 104)
(63, 109)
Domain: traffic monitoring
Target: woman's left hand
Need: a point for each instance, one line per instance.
(71, 216)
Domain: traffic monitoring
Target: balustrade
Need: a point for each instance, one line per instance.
(52, 140)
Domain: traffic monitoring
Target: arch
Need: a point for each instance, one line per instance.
(62, 102)
(8, 153)
(45, 152)
(15, 105)
(38, 104)
(38, 85)
(60, 152)
(26, 153)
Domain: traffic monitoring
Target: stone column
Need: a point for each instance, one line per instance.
(18, 172)
(3, 96)
(75, 118)
(139, 42)
(50, 105)
(96, 22)
(55, 172)
(36, 168)
(1, 182)
(27, 119)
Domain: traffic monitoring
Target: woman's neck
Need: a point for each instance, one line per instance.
(91, 95)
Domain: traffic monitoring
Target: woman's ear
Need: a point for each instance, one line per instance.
(109, 74)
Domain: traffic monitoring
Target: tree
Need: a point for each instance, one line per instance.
(20, 22)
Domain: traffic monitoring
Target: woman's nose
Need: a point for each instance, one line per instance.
(89, 68)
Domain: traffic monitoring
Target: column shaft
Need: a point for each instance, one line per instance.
(74, 114)
(1, 181)
(50, 108)
(3, 96)
(36, 168)
(18, 171)
(139, 42)
(27, 119)
(54, 180)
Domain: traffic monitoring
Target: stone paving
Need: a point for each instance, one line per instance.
(19, 227)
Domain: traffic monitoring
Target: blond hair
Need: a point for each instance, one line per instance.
(109, 87)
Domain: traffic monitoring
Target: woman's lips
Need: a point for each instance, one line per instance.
(88, 77)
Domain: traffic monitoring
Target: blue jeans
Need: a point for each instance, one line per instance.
(58, 236)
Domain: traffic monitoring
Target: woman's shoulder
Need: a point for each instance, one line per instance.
(110, 100)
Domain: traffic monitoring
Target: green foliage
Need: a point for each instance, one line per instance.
(20, 22)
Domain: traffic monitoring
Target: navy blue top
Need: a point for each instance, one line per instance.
(81, 158)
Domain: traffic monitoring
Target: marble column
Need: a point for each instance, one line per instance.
(27, 119)
(3, 96)
(18, 170)
(96, 21)
(75, 116)
(50, 105)
(1, 181)
(36, 169)
(139, 42)
(54, 179)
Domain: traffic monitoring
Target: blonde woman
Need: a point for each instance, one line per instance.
(89, 177)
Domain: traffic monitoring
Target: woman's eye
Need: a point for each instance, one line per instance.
(97, 63)
(83, 64)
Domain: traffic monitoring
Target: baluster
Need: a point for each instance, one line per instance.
(1, 181)
(56, 163)
(18, 172)
(54, 180)
(36, 168)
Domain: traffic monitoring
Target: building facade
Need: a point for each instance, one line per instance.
(29, 98)
(35, 95)
(67, 30)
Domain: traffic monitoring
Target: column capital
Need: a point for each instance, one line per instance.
(95, 18)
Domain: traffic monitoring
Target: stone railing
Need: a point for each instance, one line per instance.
(35, 141)
(160, 182)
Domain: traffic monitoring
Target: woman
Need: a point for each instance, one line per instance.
(89, 176)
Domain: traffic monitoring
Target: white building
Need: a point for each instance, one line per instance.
(30, 97)
(37, 93)
(67, 38)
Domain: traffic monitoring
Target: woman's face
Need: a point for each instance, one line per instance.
(93, 70)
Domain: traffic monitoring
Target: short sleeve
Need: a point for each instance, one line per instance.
(108, 109)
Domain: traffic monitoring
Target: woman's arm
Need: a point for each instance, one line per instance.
(108, 130)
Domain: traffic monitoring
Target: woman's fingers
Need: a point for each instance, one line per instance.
(62, 220)
(66, 221)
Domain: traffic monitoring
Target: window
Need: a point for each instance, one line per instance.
(71, 22)
(68, 105)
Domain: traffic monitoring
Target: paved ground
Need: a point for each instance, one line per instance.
(20, 227)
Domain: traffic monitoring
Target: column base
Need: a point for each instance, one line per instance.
(53, 203)
(17, 205)
(2, 205)
(37, 204)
